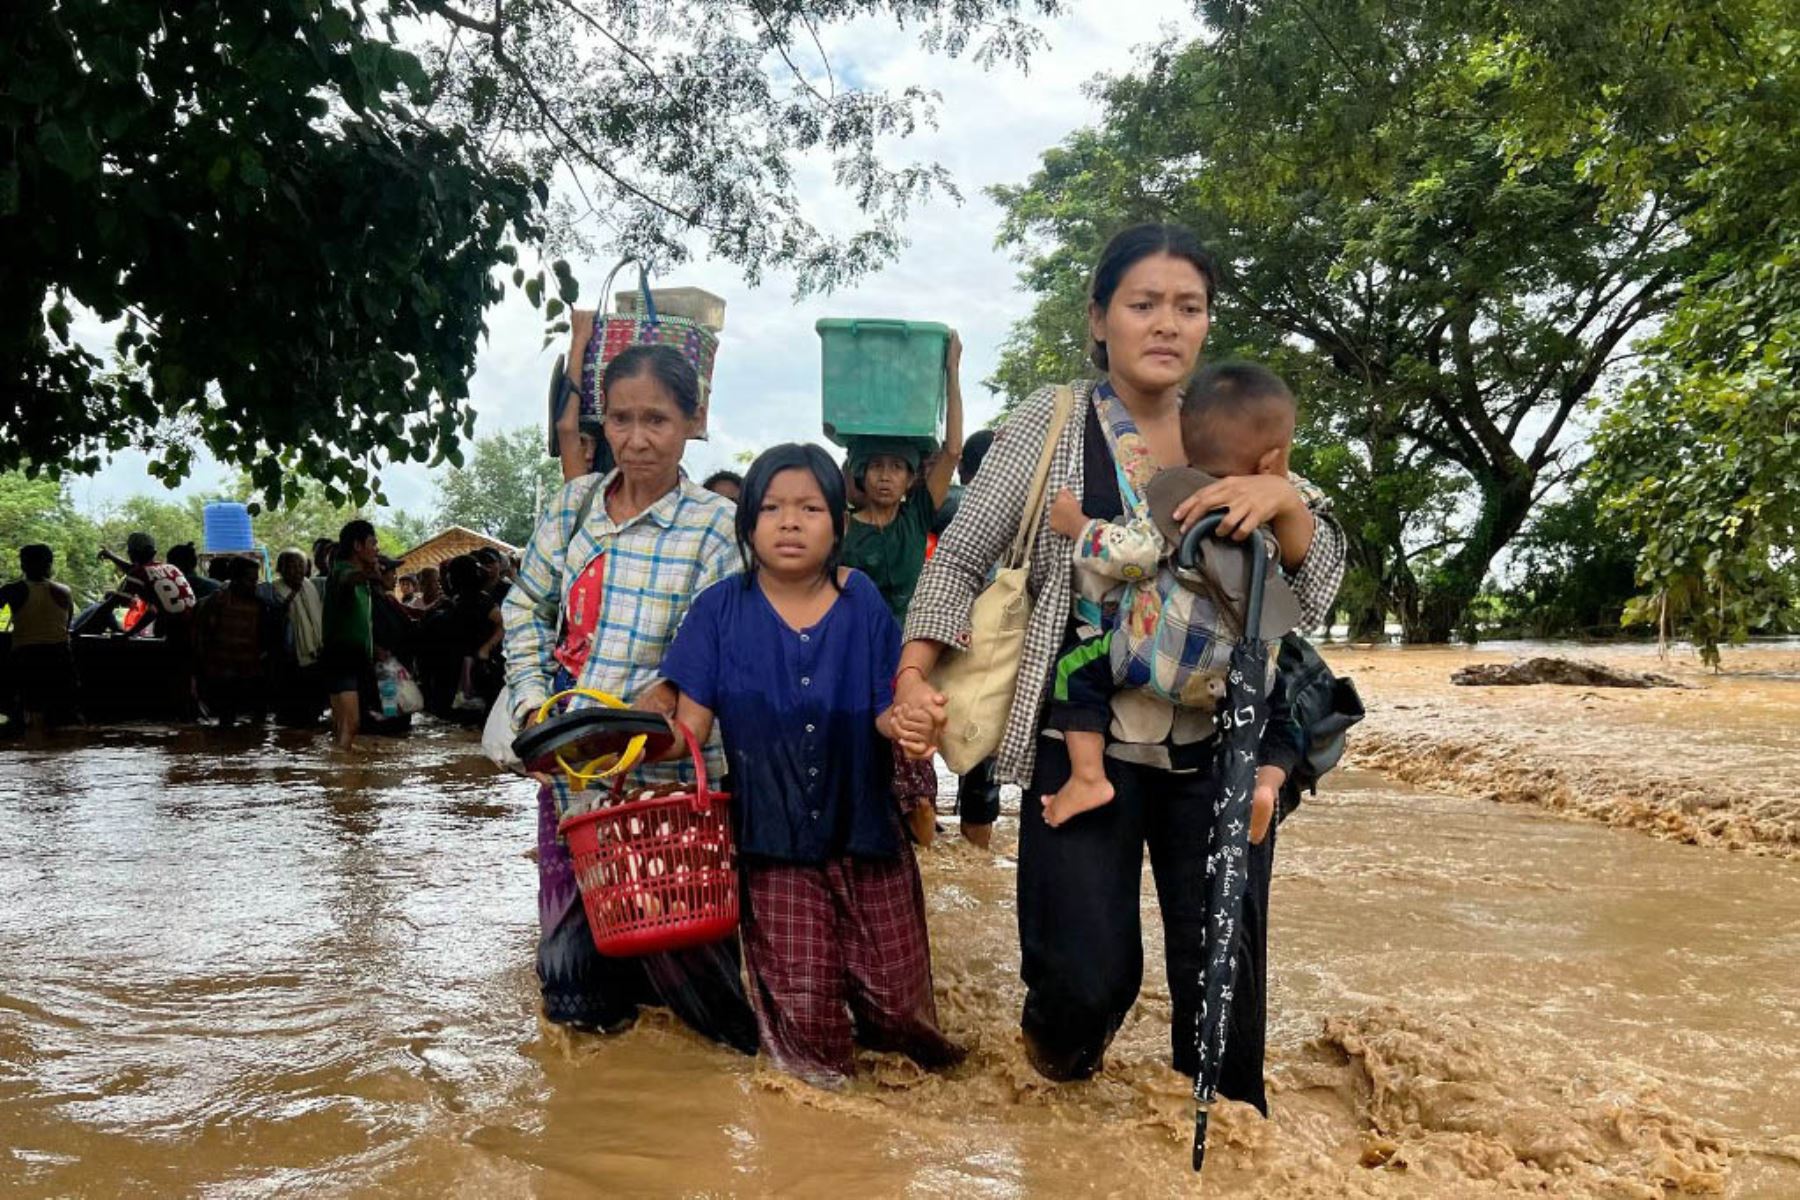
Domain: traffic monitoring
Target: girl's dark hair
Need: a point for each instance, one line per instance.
(665, 364)
(1132, 246)
(792, 456)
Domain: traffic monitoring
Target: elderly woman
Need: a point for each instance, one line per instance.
(1150, 305)
(605, 582)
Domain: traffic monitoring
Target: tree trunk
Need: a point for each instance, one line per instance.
(1444, 601)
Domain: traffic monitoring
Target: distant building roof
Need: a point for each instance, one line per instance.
(440, 548)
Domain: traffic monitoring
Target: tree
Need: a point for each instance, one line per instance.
(293, 224)
(40, 510)
(1700, 460)
(503, 489)
(295, 258)
(1402, 193)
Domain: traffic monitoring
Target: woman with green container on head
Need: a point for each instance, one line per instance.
(887, 420)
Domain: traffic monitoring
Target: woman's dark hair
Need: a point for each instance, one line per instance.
(351, 535)
(1131, 246)
(792, 456)
(665, 364)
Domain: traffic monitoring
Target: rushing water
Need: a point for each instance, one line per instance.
(240, 964)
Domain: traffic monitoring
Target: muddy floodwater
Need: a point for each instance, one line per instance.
(242, 965)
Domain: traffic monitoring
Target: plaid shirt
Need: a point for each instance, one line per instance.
(986, 524)
(656, 563)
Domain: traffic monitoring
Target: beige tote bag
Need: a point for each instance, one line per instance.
(979, 682)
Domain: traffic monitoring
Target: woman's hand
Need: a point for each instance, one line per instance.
(1066, 517)
(1251, 502)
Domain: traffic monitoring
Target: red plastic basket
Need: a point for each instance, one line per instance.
(657, 874)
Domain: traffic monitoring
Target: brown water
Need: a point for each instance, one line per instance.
(241, 965)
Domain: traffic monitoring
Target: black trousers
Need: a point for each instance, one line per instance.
(978, 796)
(1080, 939)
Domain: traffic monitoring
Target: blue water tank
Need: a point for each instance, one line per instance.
(225, 528)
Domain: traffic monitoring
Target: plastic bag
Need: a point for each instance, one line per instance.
(400, 696)
(497, 735)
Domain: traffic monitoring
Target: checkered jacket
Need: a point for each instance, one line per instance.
(988, 520)
(656, 563)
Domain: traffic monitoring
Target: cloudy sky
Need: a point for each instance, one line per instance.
(993, 126)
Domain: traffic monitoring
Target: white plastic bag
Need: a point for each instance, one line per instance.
(497, 736)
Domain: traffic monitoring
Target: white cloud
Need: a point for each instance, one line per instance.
(993, 126)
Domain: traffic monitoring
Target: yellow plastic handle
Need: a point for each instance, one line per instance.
(616, 764)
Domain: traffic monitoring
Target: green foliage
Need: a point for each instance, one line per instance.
(1457, 214)
(1701, 460)
(293, 261)
(1573, 574)
(502, 491)
(289, 218)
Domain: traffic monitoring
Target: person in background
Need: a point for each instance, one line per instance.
(977, 794)
(230, 636)
(886, 541)
(431, 590)
(728, 484)
(409, 590)
(496, 572)
(466, 637)
(974, 449)
(395, 625)
(186, 559)
(582, 449)
(170, 598)
(160, 585)
(324, 550)
(349, 649)
(299, 624)
(40, 663)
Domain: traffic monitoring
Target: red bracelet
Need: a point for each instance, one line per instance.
(895, 685)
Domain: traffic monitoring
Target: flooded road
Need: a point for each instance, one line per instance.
(239, 965)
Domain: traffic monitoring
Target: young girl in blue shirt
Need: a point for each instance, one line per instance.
(795, 660)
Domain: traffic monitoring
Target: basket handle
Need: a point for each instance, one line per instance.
(702, 793)
(858, 324)
(650, 321)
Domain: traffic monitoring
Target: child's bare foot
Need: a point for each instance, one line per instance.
(1076, 797)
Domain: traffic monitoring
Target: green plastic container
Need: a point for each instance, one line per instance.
(883, 378)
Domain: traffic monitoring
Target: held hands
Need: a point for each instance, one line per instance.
(919, 714)
(1067, 519)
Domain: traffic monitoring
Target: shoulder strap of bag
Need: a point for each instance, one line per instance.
(581, 516)
(1026, 539)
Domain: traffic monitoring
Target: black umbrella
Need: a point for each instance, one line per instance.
(1241, 714)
